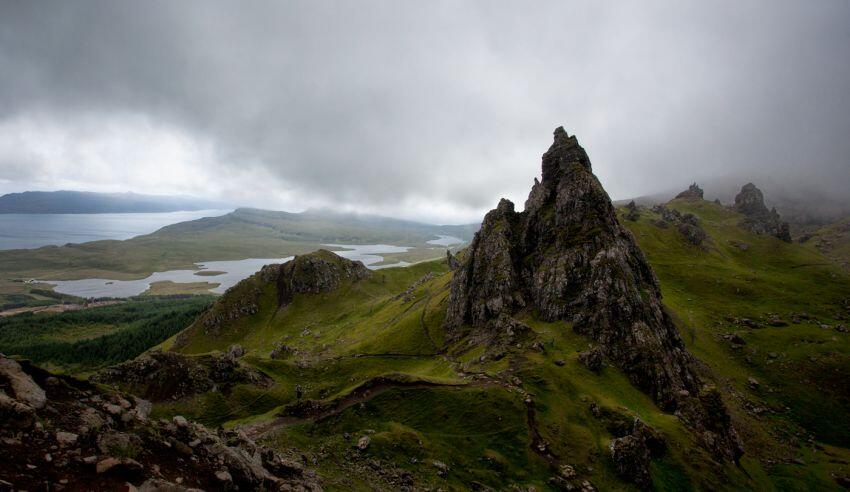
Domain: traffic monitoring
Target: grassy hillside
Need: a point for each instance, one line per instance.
(833, 241)
(803, 367)
(370, 360)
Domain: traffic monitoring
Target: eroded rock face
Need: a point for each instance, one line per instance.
(758, 219)
(568, 258)
(317, 272)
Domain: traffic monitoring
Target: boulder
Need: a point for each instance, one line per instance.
(22, 386)
(592, 359)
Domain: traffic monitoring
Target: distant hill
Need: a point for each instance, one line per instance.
(86, 202)
(802, 205)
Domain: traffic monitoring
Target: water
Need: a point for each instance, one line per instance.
(234, 271)
(369, 253)
(446, 241)
(37, 230)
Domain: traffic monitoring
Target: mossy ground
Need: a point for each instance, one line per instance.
(795, 424)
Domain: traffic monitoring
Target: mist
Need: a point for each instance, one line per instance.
(429, 111)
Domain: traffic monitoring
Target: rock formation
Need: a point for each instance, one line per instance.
(568, 258)
(61, 433)
(633, 214)
(320, 271)
(758, 219)
(162, 376)
(690, 228)
(694, 192)
(688, 224)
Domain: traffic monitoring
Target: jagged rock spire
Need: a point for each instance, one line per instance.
(758, 219)
(567, 257)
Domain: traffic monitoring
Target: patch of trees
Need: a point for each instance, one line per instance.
(133, 327)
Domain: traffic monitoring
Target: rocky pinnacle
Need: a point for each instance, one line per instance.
(567, 258)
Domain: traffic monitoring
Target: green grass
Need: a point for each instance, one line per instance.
(478, 424)
(366, 330)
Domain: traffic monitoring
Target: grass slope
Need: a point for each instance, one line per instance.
(470, 411)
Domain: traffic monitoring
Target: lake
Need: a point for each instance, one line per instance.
(446, 241)
(234, 271)
(19, 231)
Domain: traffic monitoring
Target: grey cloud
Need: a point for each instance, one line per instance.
(378, 104)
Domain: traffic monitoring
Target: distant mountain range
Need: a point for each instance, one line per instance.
(86, 202)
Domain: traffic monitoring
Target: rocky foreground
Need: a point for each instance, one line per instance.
(59, 433)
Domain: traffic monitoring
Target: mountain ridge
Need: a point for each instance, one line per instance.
(89, 202)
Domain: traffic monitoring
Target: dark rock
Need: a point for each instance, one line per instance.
(693, 234)
(281, 351)
(694, 192)
(592, 359)
(451, 260)
(162, 376)
(567, 257)
(631, 458)
(236, 351)
(757, 218)
(633, 214)
(130, 453)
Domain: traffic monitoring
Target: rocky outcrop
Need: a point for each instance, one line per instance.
(631, 454)
(757, 218)
(688, 225)
(451, 260)
(84, 439)
(159, 375)
(632, 212)
(694, 192)
(314, 273)
(567, 257)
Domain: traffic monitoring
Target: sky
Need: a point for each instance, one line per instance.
(423, 110)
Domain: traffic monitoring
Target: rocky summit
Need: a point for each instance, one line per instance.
(313, 273)
(567, 257)
(758, 219)
(694, 192)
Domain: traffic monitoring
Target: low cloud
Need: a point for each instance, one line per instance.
(429, 111)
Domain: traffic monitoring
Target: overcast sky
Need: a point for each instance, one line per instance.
(426, 110)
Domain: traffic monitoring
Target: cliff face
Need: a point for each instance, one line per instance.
(568, 258)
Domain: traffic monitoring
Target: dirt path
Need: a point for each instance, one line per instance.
(317, 410)
(56, 308)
